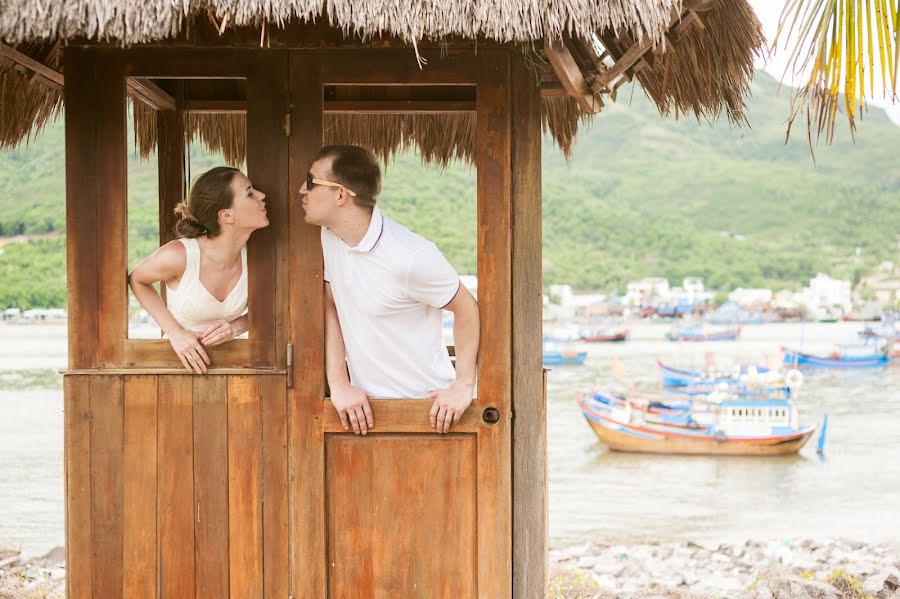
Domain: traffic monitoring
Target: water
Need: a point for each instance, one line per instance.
(594, 494)
(31, 436)
(626, 498)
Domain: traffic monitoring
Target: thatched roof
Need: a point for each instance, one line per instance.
(690, 56)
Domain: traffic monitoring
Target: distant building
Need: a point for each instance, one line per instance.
(647, 292)
(692, 292)
(751, 298)
(825, 294)
(11, 314)
(37, 314)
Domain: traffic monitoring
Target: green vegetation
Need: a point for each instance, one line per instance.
(642, 196)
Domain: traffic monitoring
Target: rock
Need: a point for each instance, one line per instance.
(52, 558)
(604, 581)
(791, 587)
(883, 583)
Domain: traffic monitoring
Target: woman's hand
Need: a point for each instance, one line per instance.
(188, 349)
(219, 332)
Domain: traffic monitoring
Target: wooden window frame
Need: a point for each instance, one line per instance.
(97, 192)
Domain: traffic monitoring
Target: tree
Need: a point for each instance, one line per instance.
(835, 41)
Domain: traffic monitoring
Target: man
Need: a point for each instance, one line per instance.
(384, 294)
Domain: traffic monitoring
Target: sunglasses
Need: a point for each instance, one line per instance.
(312, 182)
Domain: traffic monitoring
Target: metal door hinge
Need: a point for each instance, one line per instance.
(286, 124)
(290, 365)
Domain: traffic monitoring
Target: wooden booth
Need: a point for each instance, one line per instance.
(242, 483)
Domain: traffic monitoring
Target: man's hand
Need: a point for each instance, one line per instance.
(449, 405)
(352, 405)
(187, 346)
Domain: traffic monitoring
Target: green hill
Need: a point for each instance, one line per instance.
(642, 196)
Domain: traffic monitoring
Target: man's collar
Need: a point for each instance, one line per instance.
(373, 234)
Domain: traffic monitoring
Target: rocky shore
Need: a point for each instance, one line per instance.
(36, 578)
(785, 569)
(798, 568)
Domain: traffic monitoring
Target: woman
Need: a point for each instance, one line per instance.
(205, 269)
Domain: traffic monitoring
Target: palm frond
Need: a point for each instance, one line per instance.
(833, 43)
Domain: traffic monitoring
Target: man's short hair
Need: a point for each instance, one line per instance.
(356, 169)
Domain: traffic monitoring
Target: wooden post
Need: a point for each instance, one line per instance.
(267, 168)
(529, 462)
(494, 299)
(306, 467)
(170, 126)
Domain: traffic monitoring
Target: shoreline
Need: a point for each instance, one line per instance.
(800, 567)
(754, 569)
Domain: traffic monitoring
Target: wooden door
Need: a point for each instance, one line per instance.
(403, 511)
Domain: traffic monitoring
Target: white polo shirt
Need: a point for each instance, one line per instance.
(389, 291)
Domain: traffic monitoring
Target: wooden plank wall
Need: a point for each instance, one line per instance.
(176, 486)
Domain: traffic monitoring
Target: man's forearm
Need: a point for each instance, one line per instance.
(466, 338)
(335, 353)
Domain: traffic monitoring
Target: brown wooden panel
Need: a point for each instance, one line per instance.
(112, 208)
(211, 485)
(405, 416)
(306, 456)
(399, 106)
(267, 168)
(402, 516)
(107, 457)
(275, 505)
(82, 218)
(77, 443)
(158, 353)
(175, 499)
(495, 305)
(140, 542)
(185, 63)
(384, 67)
(170, 163)
(530, 424)
(244, 500)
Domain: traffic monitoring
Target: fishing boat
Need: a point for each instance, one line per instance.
(557, 357)
(696, 332)
(556, 354)
(867, 355)
(609, 336)
(888, 329)
(723, 424)
(681, 377)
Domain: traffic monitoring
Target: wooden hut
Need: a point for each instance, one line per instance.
(242, 483)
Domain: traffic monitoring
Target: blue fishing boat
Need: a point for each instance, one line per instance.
(847, 356)
(726, 425)
(556, 354)
(679, 377)
(696, 332)
(557, 358)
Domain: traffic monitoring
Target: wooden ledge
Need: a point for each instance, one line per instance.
(173, 371)
(409, 416)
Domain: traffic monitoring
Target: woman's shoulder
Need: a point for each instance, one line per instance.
(172, 256)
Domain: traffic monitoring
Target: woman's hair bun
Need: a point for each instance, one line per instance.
(187, 225)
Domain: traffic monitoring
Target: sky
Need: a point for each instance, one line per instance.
(768, 12)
